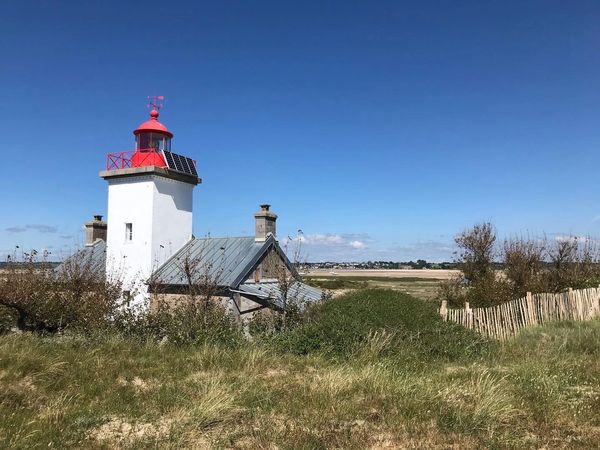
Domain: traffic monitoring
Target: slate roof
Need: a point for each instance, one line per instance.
(226, 260)
(229, 261)
(94, 255)
(270, 292)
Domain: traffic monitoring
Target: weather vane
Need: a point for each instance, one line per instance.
(155, 102)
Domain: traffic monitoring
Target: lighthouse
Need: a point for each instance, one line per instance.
(150, 192)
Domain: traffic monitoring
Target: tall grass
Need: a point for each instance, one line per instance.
(389, 386)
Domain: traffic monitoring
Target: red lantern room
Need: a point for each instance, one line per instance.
(151, 138)
(153, 134)
(152, 148)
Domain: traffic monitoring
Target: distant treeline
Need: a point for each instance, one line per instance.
(419, 264)
(4, 264)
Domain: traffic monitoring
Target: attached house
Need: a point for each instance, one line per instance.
(249, 273)
(147, 241)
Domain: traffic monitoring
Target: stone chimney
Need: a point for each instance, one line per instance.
(265, 223)
(94, 230)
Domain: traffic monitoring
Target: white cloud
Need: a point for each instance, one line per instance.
(357, 245)
(430, 250)
(333, 246)
(361, 247)
(325, 240)
(569, 238)
(36, 227)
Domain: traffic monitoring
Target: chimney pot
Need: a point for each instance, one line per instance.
(95, 229)
(265, 223)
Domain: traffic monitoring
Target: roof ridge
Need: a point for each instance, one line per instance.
(222, 237)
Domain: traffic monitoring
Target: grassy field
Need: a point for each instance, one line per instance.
(423, 288)
(374, 369)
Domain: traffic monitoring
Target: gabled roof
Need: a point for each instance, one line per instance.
(93, 256)
(270, 292)
(227, 261)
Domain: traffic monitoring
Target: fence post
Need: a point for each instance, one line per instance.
(572, 307)
(469, 315)
(444, 310)
(529, 309)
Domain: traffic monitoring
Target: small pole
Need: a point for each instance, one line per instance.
(469, 315)
(444, 310)
(570, 307)
(529, 308)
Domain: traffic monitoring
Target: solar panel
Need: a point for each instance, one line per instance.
(192, 166)
(185, 164)
(180, 163)
(169, 159)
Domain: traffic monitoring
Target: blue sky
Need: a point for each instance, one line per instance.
(380, 129)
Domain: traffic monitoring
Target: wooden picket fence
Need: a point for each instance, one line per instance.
(506, 320)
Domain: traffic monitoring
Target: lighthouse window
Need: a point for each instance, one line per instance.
(128, 231)
(155, 141)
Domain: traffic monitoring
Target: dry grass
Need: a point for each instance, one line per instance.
(537, 391)
(423, 284)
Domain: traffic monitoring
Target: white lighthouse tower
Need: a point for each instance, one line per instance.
(150, 192)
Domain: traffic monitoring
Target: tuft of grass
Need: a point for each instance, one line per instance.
(214, 403)
(482, 402)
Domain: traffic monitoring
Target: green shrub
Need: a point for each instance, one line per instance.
(8, 318)
(267, 322)
(342, 325)
(188, 323)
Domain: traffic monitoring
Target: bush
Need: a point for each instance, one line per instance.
(187, 323)
(342, 326)
(491, 276)
(43, 300)
(267, 322)
(8, 318)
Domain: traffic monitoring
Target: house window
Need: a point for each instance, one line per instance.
(128, 231)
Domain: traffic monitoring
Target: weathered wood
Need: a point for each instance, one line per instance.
(507, 319)
(444, 310)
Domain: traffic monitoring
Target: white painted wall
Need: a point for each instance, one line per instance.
(160, 210)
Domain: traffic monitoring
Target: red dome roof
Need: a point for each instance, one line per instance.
(153, 125)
